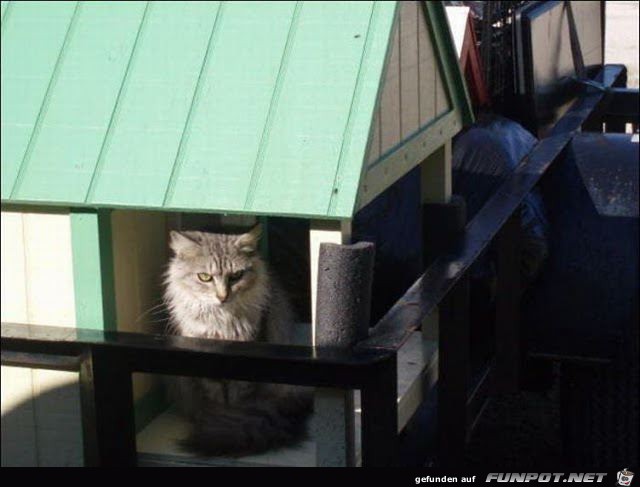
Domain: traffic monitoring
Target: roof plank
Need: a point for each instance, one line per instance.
(76, 113)
(363, 116)
(3, 7)
(312, 111)
(26, 74)
(228, 122)
(140, 153)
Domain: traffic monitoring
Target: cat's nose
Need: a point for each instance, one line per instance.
(222, 296)
(221, 289)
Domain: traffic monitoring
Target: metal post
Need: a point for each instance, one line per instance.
(453, 375)
(106, 397)
(380, 415)
(614, 124)
(508, 336)
(443, 226)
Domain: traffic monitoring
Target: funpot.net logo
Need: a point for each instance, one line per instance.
(594, 477)
(624, 477)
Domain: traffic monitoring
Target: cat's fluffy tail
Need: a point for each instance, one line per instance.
(248, 429)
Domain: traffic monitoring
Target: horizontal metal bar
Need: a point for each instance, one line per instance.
(175, 355)
(417, 375)
(41, 361)
(624, 103)
(431, 288)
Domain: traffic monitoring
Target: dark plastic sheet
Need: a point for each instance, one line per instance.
(482, 157)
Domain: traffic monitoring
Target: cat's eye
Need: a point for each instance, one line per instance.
(236, 276)
(204, 276)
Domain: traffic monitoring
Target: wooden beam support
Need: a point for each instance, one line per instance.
(436, 179)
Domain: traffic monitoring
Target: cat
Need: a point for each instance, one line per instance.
(217, 286)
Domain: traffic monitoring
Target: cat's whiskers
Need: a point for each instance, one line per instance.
(153, 310)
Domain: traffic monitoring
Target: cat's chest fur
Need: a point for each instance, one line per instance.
(219, 323)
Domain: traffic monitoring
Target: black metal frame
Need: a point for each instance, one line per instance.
(106, 360)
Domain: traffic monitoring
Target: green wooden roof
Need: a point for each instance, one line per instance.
(251, 107)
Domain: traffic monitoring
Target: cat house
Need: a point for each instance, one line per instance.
(123, 120)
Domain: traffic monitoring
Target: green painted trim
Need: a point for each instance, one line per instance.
(420, 133)
(13, 208)
(149, 406)
(448, 60)
(381, 174)
(8, 6)
(387, 27)
(93, 269)
(358, 92)
(74, 206)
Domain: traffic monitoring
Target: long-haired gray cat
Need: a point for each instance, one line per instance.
(217, 286)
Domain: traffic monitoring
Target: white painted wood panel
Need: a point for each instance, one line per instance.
(427, 71)
(57, 416)
(412, 93)
(49, 269)
(436, 176)
(321, 231)
(13, 284)
(390, 100)
(374, 144)
(409, 82)
(40, 412)
(140, 256)
(18, 427)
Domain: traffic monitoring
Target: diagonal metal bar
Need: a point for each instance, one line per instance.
(431, 288)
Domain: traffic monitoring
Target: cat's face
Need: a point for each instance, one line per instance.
(215, 269)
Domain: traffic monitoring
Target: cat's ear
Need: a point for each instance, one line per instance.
(182, 244)
(248, 242)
